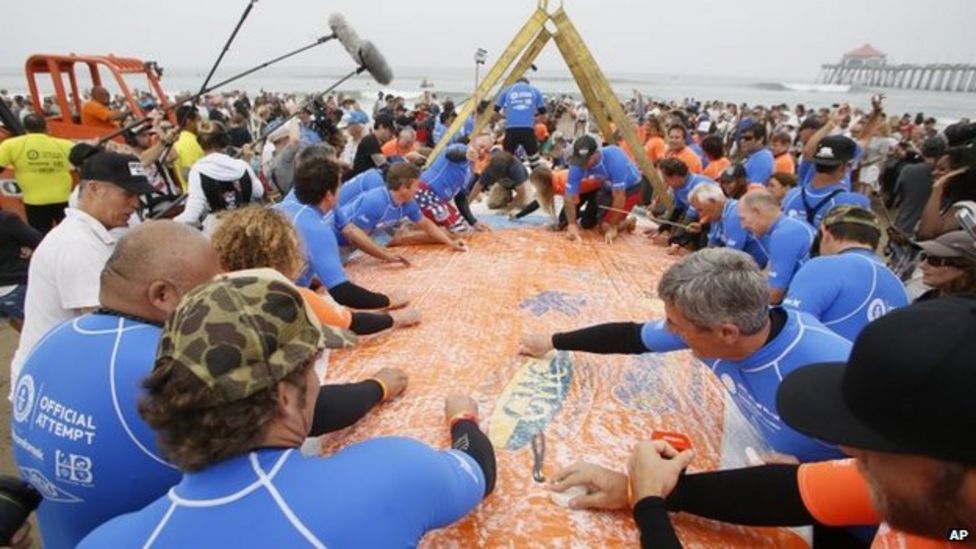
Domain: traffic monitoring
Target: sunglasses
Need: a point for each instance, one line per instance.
(939, 261)
(748, 137)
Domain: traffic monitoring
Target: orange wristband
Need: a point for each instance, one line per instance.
(461, 417)
(386, 391)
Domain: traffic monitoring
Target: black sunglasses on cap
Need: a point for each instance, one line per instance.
(940, 261)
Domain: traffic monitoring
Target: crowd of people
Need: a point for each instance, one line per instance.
(825, 273)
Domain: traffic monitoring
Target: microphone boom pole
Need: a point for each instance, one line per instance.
(319, 41)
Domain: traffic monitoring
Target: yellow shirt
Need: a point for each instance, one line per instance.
(41, 167)
(188, 151)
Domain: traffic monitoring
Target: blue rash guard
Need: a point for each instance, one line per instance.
(752, 382)
(77, 433)
(759, 166)
(800, 201)
(446, 178)
(846, 291)
(787, 245)
(521, 102)
(385, 492)
(728, 232)
(366, 181)
(375, 211)
(682, 195)
(318, 234)
(614, 170)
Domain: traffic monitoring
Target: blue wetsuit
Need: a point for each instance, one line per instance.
(787, 245)
(521, 102)
(318, 234)
(614, 170)
(446, 178)
(759, 166)
(385, 492)
(728, 232)
(77, 433)
(752, 382)
(846, 291)
(811, 205)
(365, 181)
(375, 211)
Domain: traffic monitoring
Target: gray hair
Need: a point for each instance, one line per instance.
(707, 192)
(715, 286)
(760, 199)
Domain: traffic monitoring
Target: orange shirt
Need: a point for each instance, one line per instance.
(689, 157)
(715, 168)
(784, 163)
(560, 178)
(326, 310)
(837, 494)
(655, 148)
(392, 148)
(95, 114)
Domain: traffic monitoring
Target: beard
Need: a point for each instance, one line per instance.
(932, 514)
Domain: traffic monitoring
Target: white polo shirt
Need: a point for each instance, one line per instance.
(63, 278)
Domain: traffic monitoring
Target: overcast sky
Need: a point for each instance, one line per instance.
(752, 38)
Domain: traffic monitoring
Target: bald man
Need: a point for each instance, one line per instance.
(97, 113)
(76, 425)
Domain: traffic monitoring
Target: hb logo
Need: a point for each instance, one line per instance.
(958, 535)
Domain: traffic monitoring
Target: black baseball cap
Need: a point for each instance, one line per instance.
(123, 170)
(583, 148)
(834, 150)
(907, 388)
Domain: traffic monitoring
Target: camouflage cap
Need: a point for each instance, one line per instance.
(243, 332)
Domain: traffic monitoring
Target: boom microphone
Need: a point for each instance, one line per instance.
(373, 61)
(344, 33)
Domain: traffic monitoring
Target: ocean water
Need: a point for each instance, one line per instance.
(459, 83)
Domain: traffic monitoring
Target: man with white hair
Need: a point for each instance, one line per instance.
(63, 280)
(786, 240)
(716, 304)
(725, 229)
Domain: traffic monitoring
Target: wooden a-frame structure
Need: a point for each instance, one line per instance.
(597, 94)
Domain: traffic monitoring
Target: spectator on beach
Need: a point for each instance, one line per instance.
(370, 147)
(677, 148)
(63, 279)
(758, 160)
(97, 111)
(779, 184)
(18, 241)
(948, 265)
(779, 145)
(187, 148)
(42, 171)
(714, 151)
(217, 182)
(915, 183)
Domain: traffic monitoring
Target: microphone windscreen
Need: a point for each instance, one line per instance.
(344, 33)
(375, 63)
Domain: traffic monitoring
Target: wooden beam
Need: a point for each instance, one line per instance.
(525, 35)
(594, 78)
